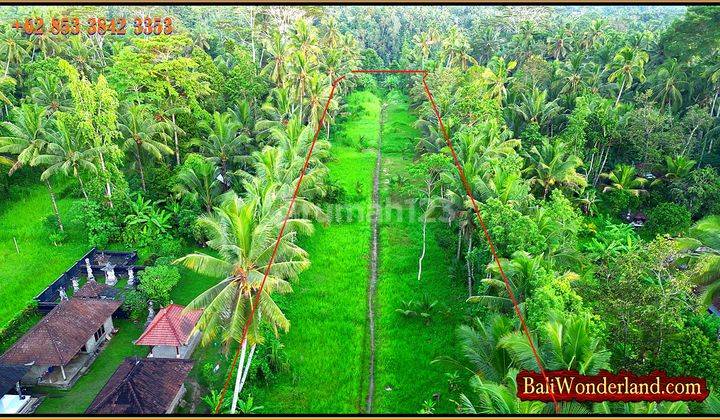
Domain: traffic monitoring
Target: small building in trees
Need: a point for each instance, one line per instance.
(143, 386)
(636, 219)
(65, 342)
(172, 332)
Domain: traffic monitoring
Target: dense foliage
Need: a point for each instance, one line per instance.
(589, 136)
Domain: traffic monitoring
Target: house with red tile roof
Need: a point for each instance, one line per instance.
(172, 332)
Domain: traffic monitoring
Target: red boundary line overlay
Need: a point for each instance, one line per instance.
(468, 192)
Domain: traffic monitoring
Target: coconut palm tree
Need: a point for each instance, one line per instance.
(567, 344)
(278, 110)
(497, 76)
(553, 164)
(280, 165)
(671, 80)
(14, 48)
(522, 271)
(593, 34)
(480, 344)
(44, 42)
(223, 144)
(424, 42)
(703, 247)
(505, 184)
(200, 182)
(624, 178)
(51, 94)
(456, 49)
(560, 44)
(535, 107)
(627, 65)
(497, 398)
(26, 134)
(713, 74)
(143, 134)
(279, 53)
(304, 39)
(642, 408)
(65, 154)
(299, 71)
(244, 242)
(524, 42)
(27, 140)
(318, 92)
(572, 75)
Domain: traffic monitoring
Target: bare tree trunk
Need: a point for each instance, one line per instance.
(177, 144)
(238, 377)
(55, 207)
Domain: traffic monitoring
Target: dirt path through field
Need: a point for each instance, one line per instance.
(372, 288)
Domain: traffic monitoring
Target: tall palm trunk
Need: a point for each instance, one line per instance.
(246, 369)
(622, 86)
(252, 33)
(140, 166)
(82, 187)
(459, 243)
(424, 242)
(602, 165)
(55, 207)
(108, 191)
(238, 377)
(468, 265)
(223, 174)
(177, 144)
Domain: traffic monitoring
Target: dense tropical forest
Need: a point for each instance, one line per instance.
(589, 136)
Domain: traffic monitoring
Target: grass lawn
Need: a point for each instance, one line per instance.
(77, 399)
(406, 345)
(23, 275)
(327, 342)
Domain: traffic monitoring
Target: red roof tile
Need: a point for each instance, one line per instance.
(170, 327)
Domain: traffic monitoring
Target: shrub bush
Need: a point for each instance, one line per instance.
(135, 304)
(156, 283)
(98, 223)
(668, 218)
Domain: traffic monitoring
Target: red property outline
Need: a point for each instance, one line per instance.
(468, 192)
